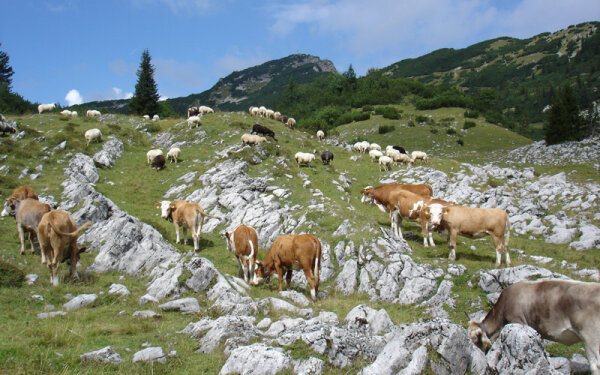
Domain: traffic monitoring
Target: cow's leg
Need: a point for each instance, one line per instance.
(399, 226)
(21, 237)
(176, 231)
(288, 278)
(184, 235)
(279, 271)
(245, 270)
(591, 342)
(195, 239)
(31, 242)
(240, 268)
(311, 282)
(452, 243)
(251, 268)
(425, 233)
(73, 270)
(499, 247)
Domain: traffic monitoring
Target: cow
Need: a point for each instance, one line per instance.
(186, 215)
(370, 193)
(472, 222)
(565, 311)
(28, 213)
(287, 251)
(326, 157)
(19, 193)
(243, 242)
(259, 129)
(57, 234)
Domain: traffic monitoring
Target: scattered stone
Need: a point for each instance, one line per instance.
(80, 301)
(310, 366)
(184, 305)
(105, 355)
(52, 314)
(147, 298)
(153, 354)
(119, 289)
(146, 314)
(256, 359)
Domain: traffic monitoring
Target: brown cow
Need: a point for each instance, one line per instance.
(243, 242)
(472, 222)
(20, 193)
(287, 251)
(565, 311)
(28, 213)
(186, 215)
(58, 233)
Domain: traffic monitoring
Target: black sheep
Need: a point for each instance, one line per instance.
(7, 127)
(326, 156)
(158, 163)
(399, 148)
(259, 129)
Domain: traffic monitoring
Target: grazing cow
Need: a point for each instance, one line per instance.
(57, 234)
(186, 215)
(286, 251)
(565, 311)
(28, 213)
(19, 193)
(243, 242)
(158, 162)
(259, 129)
(326, 157)
(472, 222)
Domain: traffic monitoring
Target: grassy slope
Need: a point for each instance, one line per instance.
(53, 346)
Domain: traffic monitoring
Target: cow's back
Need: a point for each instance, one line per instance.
(23, 192)
(307, 245)
(469, 219)
(30, 211)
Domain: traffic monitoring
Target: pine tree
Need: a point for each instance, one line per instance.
(6, 70)
(564, 122)
(145, 99)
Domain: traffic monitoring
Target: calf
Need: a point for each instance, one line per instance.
(326, 157)
(259, 129)
(287, 251)
(19, 193)
(243, 242)
(472, 222)
(186, 215)
(28, 213)
(564, 311)
(57, 234)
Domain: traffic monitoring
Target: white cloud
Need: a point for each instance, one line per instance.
(113, 93)
(73, 97)
(118, 94)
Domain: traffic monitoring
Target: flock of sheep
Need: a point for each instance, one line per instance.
(393, 154)
(262, 111)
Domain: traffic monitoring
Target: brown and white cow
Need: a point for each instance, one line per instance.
(28, 213)
(564, 311)
(472, 222)
(57, 233)
(288, 251)
(186, 215)
(243, 242)
(19, 193)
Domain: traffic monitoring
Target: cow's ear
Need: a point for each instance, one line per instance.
(426, 212)
(157, 204)
(445, 211)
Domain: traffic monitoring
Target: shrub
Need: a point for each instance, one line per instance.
(460, 142)
(433, 131)
(386, 129)
(10, 276)
(471, 114)
(451, 131)
(152, 128)
(469, 125)
(421, 119)
(367, 108)
(388, 112)
(411, 124)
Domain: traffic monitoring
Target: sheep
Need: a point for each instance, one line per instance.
(173, 154)
(400, 148)
(8, 127)
(270, 114)
(254, 111)
(391, 151)
(419, 155)
(158, 163)
(150, 155)
(146, 117)
(93, 135)
(262, 111)
(326, 156)
(92, 113)
(194, 121)
(251, 109)
(375, 155)
(46, 107)
(259, 129)
(252, 139)
(291, 123)
(282, 118)
(304, 158)
(155, 118)
(66, 112)
(74, 114)
(320, 135)
(193, 111)
(385, 162)
(402, 158)
(361, 147)
(204, 110)
(357, 146)
(276, 116)
(374, 146)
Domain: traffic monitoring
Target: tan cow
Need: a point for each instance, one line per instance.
(287, 251)
(28, 213)
(243, 242)
(19, 193)
(186, 215)
(58, 233)
(472, 222)
(564, 311)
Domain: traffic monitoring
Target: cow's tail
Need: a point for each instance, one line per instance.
(71, 234)
(207, 215)
(317, 260)
(506, 235)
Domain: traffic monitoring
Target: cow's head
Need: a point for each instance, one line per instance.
(165, 209)
(10, 207)
(435, 212)
(229, 240)
(479, 336)
(367, 195)
(260, 272)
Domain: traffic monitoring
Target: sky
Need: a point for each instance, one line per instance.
(74, 51)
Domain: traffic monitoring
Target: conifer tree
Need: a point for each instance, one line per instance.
(564, 122)
(6, 70)
(145, 99)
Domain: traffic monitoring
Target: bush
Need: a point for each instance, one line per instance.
(411, 124)
(386, 129)
(10, 276)
(460, 142)
(421, 119)
(152, 128)
(388, 112)
(471, 114)
(433, 131)
(451, 131)
(469, 125)
(367, 108)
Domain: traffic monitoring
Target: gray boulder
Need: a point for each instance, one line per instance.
(379, 321)
(232, 331)
(347, 280)
(80, 301)
(184, 305)
(111, 151)
(495, 280)
(119, 289)
(82, 168)
(152, 354)
(310, 366)
(146, 314)
(589, 239)
(106, 355)
(52, 314)
(256, 359)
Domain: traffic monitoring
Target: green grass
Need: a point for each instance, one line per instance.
(54, 345)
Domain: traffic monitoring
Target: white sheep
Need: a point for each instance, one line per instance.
(66, 112)
(320, 135)
(204, 109)
(364, 147)
(304, 158)
(150, 155)
(374, 146)
(92, 113)
(276, 115)
(391, 151)
(93, 135)
(251, 109)
(173, 154)
(194, 121)
(254, 111)
(46, 107)
(155, 118)
(291, 123)
(74, 114)
(419, 155)
(252, 139)
(262, 111)
(375, 155)
(402, 158)
(146, 117)
(385, 162)
(270, 114)
(357, 146)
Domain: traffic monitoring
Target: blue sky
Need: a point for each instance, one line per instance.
(90, 50)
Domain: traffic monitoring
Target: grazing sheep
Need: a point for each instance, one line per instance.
(252, 139)
(251, 109)
(46, 108)
(158, 163)
(270, 114)
(276, 116)
(254, 111)
(8, 127)
(150, 155)
(320, 135)
(375, 155)
(385, 162)
(194, 121)
(155, 118)
(402, 158)
(66, 112)
(93, 135)
(362, 147)
(146, 117)
(193, 111)
(291, 123)
(262, 111)
(92, 113)
(419, 155)
(74, 114)
(326, 157)
(391, 151)
(374, 146)
(282, 118)
(204, 110)
(400, 148)
(304, 158)
(173, 154)
(259, 129)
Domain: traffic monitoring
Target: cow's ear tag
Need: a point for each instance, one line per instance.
(427, 212)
